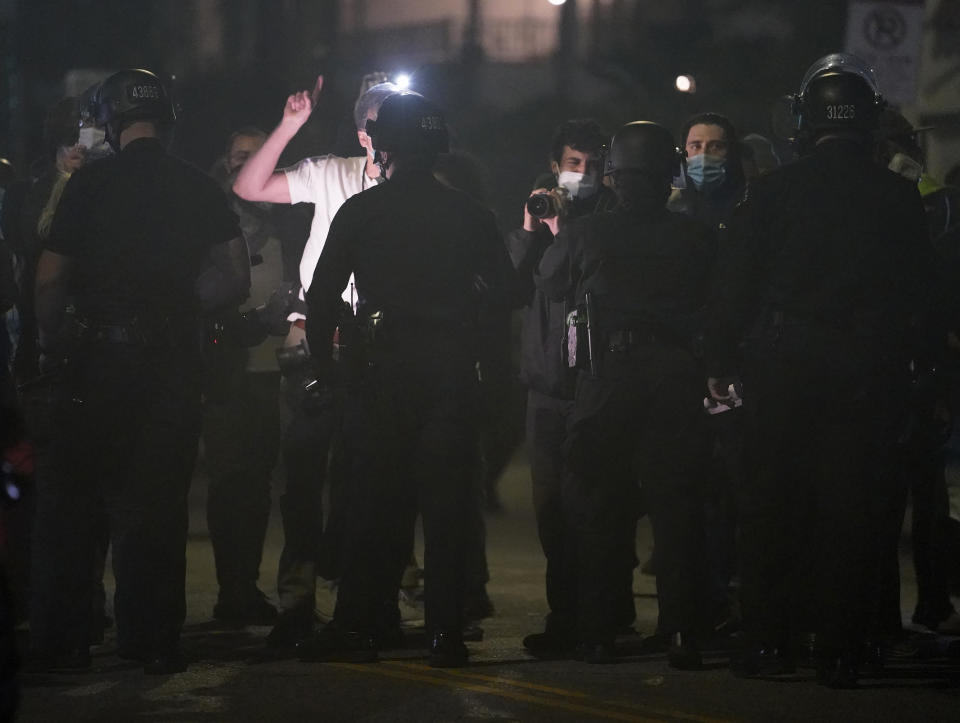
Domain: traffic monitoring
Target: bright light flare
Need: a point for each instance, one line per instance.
(557, 2)
(686, 84)
(402, 81)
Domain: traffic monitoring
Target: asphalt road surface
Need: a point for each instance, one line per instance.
(233, 678)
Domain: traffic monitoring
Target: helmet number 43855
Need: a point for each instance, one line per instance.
(145, 91)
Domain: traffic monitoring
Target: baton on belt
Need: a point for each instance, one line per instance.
(588, 301)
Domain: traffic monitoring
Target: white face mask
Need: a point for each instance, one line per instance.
(94, 139)
(907, 167)
(578, 185)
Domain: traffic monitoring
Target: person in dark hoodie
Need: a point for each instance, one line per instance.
(713, 184)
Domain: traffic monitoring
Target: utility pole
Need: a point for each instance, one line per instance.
(10, 88)
(471, 55)
(568, 54)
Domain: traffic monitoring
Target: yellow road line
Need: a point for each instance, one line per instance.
(419, 674)
(459, 673)
(498, 680)
(508, 694)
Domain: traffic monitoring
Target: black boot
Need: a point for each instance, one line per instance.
(291, 627)
(684, 653)
(447, 650)
(759, 661)
(602, 652)
(551, 645)
(838, 670)
(333, 644)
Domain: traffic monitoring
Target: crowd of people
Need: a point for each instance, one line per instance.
(757, 353)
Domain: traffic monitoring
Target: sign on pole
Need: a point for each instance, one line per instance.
(887, 35)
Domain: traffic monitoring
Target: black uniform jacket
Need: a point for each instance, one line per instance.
(426, 255)
(830, 239)
(646, 267)
(139, 227)
(542, 364)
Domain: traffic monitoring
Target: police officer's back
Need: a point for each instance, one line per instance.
(827, 262)
(143, 241)
(638, 275)
(831, 235)
(427, 261)
(417, 244)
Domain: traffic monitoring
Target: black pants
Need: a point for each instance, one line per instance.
(39, 404)
(811, 511)
(918, 466)
(128, 428)
(556, 498)
(241, 436)
(410, 434)
(638, 422)
(312, 457)
(501, 412)
(546, 433)
(720, 481)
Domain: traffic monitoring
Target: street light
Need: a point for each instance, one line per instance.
(403, 81)
(686, 84)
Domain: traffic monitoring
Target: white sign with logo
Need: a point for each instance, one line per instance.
(887, 35)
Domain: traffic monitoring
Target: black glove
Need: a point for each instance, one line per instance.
(250, 330)
(317, 397)
(273, 314)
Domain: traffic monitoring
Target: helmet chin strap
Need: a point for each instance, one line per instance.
(111, 133)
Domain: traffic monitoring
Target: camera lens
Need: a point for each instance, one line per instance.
(541, 205)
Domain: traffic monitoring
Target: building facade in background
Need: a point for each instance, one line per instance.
(937, 102)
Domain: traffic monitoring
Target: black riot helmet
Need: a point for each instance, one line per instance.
(128, 96)
(644, 147)
(408, 123)
(838, 92)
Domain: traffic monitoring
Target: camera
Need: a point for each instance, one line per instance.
(547, 205)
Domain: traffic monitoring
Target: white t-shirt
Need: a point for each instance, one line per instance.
(326, 182)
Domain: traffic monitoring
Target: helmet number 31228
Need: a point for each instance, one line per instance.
(841, 112)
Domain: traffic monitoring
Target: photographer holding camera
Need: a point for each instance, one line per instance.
(572, 190)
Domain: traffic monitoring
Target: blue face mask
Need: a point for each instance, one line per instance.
(706, 172)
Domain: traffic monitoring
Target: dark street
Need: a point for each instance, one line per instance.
(264, 263)
(233, 678)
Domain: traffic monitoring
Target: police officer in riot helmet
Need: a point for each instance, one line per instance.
(128, 96)
(638, 276)
(408, 132)
(428, 263)
(827, 263)
(314, 483)
(839, 97)
(143, 242)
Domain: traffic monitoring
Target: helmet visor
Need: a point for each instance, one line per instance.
(843, 63)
